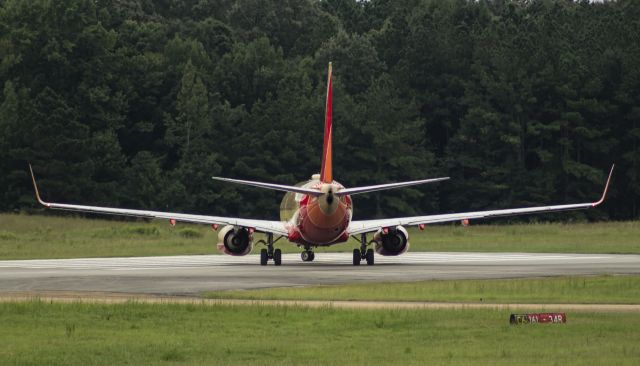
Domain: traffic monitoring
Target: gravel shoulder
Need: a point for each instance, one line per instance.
(117, 298)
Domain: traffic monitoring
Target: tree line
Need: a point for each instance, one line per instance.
(137, 103)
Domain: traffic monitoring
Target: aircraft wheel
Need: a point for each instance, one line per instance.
(264, 257)
(356, 257)
(307, 256)
(370, 257)
(277, 257)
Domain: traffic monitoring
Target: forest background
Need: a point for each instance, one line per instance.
(137, 103)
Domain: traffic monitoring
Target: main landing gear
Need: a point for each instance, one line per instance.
(307, 255)
(270, 253)
(363, 253)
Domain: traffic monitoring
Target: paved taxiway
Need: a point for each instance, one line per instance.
(189, 275)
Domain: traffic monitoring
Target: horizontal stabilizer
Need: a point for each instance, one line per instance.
(277, 187)
(381, 187)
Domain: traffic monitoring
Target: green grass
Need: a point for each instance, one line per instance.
(37, 333)
(603, 237)
(66, 236)
(587, 290)
(25, 237)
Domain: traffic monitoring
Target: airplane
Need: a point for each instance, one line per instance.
(320, 214)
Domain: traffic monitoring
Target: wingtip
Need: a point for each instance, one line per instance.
(606, 188)
(440, 179)
(35, 187)
(223, 179)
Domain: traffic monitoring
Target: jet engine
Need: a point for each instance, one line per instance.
(235, 240)
(391, 241)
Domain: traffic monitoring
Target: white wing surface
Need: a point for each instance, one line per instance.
(365, 226)
(265, 226)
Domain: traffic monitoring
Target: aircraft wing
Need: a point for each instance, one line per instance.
(365, 226)
(265, 226)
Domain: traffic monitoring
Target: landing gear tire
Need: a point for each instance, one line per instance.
(357, 257)
(307, 256)
(277, 257)
(363, 253)
(264, 257)
(369, 257)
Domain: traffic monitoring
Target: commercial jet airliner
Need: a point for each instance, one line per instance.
(318, 213)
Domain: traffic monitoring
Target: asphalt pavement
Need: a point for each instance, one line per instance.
(191, 275)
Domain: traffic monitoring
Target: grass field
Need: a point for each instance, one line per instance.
(37, 333)
(66, 236)
(576, 290)
(25, 237)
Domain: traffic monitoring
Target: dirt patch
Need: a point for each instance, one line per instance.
(116, 298)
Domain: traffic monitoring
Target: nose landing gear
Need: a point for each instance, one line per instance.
(307, 255)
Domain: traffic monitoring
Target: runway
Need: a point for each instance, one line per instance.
(191, 275)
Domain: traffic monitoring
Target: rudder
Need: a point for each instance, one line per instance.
(326, 174)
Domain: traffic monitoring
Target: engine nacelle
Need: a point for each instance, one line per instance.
(391, 241)
(235, 240)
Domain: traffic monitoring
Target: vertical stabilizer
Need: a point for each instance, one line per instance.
(326, 175)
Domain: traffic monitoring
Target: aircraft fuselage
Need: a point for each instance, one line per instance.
(321, 220)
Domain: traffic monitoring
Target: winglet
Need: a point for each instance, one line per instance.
(35, 187)
(326, 175)
(606, 188)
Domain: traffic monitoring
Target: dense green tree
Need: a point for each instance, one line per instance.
(356, 58)
(12, 110)
(384, 135)
(187, 131)
(298, 27)
(139, 103)
(190, 134)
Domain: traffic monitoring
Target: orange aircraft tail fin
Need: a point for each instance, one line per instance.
(326, 175)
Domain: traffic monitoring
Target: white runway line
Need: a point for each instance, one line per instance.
(192, 261)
